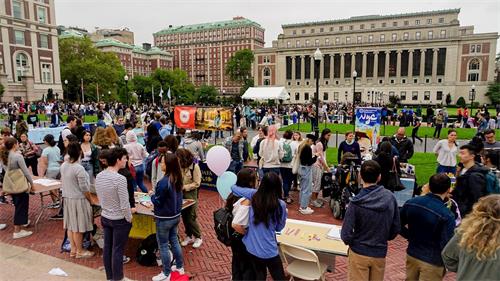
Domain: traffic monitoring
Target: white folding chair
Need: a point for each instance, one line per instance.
(305, 264)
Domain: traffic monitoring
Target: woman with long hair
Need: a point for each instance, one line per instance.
(21, 126)
(349, 145)
(116, 215)
(167, 201)
(29, 151)
(11, 160)
(137, 153)
(191, 175)
(113, 136)
(286, 164)
(306, 159)
(101, 139)
(474, 252)
(75, 186)
(90, 160)
(270, 152)
(319, 166)
(266, 217)
(153, 138)
(240, 208)
(446, 152)
(387, 160)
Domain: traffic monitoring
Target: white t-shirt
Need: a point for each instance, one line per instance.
(240, 213)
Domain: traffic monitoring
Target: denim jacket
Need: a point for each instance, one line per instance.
(428, 225)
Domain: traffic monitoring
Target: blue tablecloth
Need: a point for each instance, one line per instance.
(36, 135)
(407, 193)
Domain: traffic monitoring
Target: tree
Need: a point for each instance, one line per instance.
(448, 99)
(79, 60)
(142, 86)
(206, 94)
(461, 102)
(182, 91)
(2, 90)
(394, 100)
(239, 68)
(494, 93)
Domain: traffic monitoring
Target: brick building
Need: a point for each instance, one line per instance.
(137, 60)
(29, 50)
(202, 50)
(420, 57)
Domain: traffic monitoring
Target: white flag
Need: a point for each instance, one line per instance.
(168, 94)
(161, 92)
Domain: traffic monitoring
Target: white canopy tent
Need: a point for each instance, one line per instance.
(266, 93)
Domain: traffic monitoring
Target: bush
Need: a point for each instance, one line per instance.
(461, 102)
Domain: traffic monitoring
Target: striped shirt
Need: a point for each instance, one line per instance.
(111, 189)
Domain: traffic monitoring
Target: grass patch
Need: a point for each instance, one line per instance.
(425, 164)
(389, 130)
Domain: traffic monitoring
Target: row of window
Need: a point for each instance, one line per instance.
(403, 96)
(18, 11)
(369, 39)
(20, 39)
(23, 68)
(363, 26)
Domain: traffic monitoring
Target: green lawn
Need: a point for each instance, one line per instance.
(463, 133)
(425, 164)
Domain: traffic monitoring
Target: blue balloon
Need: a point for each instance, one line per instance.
(224, 184)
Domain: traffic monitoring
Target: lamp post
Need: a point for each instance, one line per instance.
(317, 60)
(354, 76)
(373, 94)
(472, 97)
(66, 86)
(126, 86)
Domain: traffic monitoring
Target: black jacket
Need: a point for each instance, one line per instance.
(404, 147)
(469, 188)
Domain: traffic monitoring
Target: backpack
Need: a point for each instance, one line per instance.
(60, 142)
(223, 219)
(492, 183)
(288, 157)
(146, 253)
(149, 162)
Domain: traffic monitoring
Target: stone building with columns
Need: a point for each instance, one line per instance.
(420, 57)
(29, 50)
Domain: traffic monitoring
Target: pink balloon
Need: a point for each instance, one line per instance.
(218, 159)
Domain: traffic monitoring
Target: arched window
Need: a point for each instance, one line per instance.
(474, 67)
(22, 65)
(267, 72)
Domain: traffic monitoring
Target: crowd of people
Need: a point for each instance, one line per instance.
(454, 227)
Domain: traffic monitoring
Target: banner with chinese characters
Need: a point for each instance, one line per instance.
(368, 120)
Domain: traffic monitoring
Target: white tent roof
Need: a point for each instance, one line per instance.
(266, 93)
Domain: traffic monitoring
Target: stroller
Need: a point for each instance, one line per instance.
(345, 188)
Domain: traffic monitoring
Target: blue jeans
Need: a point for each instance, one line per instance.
(139, 178)
(166, 233)
(235, 166)
(446, 169)
(305, 174)
(287, 177)
(219, 134)
(268, 170)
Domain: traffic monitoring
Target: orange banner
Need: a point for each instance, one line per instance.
(185, 117)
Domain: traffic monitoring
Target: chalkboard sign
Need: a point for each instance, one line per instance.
(208, 178)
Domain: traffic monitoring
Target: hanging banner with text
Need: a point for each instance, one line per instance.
(368, 120)
(207, 118)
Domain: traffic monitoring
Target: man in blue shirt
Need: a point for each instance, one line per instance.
(428, 225)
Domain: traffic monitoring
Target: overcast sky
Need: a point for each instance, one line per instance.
(144, 17)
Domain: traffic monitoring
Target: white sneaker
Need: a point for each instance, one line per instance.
(161, 277)
(180, 270)
(197, 243)
(318, 203)
(21, 234)
(2, 226)
(306, 211)
(187, 241)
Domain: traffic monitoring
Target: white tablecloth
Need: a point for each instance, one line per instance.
(405, 194)
(36, 135)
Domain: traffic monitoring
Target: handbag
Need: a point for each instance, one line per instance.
(393, 181)
(14, 182)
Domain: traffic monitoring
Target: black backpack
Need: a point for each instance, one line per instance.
(146, 253)
(223, 219)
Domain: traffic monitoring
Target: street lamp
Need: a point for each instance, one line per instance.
(317, 60)
(66, 86)
(472, 97)
(126, 86)
(354, 76)
(373, 94)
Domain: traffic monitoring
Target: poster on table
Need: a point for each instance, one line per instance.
(368, 120)
(205, 118)
(208, 178)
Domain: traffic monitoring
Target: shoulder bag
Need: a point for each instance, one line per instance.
(394, 182)
(14, 182)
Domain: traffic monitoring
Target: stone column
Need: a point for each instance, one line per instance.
(434, 65)
(386, 73)
(321, 69)
(342, 64)
(422, 65)
(353, 64)
(410, 66)
(293, 67)
(302, 67)
(363, 70)
(375, 65)
(331, 67)
(398, 65)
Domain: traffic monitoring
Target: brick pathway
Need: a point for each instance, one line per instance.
(210, 262)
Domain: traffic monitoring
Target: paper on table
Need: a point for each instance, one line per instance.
(46, 182)
(334, 233)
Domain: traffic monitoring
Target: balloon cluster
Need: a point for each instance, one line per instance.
(218, 160)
